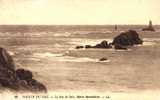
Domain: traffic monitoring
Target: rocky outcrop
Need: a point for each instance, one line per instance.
(103, 45)
(128, 38)
(121, 41)
(79, 47)
(19, 79)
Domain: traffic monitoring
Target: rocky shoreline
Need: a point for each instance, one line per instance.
(18, 80)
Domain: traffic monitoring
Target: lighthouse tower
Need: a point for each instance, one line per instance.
(150, 24)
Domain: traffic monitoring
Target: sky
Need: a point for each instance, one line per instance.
(79, 12)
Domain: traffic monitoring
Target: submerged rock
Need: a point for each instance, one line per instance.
(103, 44)
(88, 46)
(79, 47)
(128, 38)
(20, 79)
(103, 59)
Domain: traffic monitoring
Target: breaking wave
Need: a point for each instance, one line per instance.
(63, 58)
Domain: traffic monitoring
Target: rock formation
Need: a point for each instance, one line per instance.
(19, 79)
(128, 38)
(79, 47)
(103, 45)
(121, 41)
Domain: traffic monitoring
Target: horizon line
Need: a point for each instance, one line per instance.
(72, 24)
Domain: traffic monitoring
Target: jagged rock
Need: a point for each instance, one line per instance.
(6, 60)
(128, 38)
(103, 44)
(20, 79)
(27, 81)
(36, 86)
(7, 70)
(24, 74)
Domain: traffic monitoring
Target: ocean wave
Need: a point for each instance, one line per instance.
(63, 58)
(11, 53)
(79, 41)
(47, 54)
(148, 43)
(80, 59)
(151, 39)
(66, 34)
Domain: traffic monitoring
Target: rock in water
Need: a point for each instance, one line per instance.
(103, 44)
(118, 46)
(88, 46)
(20, 79)
(128, 38)
(103, 59)
(79, 47)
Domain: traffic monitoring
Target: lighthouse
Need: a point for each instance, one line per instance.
(149, 28)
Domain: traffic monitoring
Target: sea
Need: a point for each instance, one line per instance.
(49, 52)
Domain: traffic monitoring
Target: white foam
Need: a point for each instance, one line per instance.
(11, 53)
(62, 58)
(81, 59)
(151, 39)
(47, 54)
(87, 41)
(34, 59)
(57, 45)
(66, 34)
(148, 43)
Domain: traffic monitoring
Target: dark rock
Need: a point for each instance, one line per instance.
(24, 74)
(103, 59)
(79, 47)
(36, 86)
(129, 38)
(103, 44)
(7, 70)
(6, 60)
(118, 46)
(88, 46)
(16, 79)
